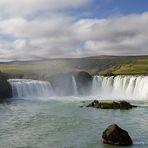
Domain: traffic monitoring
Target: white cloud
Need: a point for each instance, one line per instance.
(59, 35)
(17, 8)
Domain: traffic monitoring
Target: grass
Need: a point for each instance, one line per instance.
(138, 67)
(97, 65)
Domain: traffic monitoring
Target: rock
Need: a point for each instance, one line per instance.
(84, 77)
(109, 74)
(111, 105)
(106, 105)
(116, 105)
(114, 135)
(94, 104)
(125, 105)
(5, 87)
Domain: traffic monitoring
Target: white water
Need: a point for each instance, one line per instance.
(119, 87)
(74, 85)
(23, 88)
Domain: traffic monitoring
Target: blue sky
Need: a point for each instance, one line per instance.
(118, 7)
(33, 29)
(107, 8)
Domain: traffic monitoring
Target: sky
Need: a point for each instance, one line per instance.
(44, 29)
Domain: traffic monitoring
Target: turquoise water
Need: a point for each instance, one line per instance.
(64, 124)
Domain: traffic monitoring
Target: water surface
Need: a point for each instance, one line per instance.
(64, 124)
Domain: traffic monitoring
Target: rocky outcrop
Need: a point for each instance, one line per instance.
(109, 74)
(5, 87)
(111, 105)
(114, 135)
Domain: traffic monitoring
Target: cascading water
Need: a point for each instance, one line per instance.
(121, 87)
(22, 88)
(74, 85)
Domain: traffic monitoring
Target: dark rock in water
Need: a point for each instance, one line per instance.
(5, 87)
(94, 104)
(125, 105)
(114, 135)
(111, 105)
(116, 105)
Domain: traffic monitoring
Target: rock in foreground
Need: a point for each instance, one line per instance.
(111, 105)
(114, 135)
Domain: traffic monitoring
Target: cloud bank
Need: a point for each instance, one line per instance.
(34, 29)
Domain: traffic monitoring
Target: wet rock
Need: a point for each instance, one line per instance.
(109, 74)
(116, 105)
(111, 105)
(114, 135)
(94, 104)
(5, 87)
(125, 105)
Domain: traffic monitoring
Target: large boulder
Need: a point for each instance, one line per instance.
(5, 87)
(114, 135)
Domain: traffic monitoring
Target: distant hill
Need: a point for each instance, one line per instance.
(119, 65)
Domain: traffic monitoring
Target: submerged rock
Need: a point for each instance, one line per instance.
(114, 135)
(111, 105)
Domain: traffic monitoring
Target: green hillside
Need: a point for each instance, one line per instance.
(133, 65)
(136, 67)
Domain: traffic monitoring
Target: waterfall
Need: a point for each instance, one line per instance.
(96, 84)
(74, 85)
(121, 87)
(22, 88)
